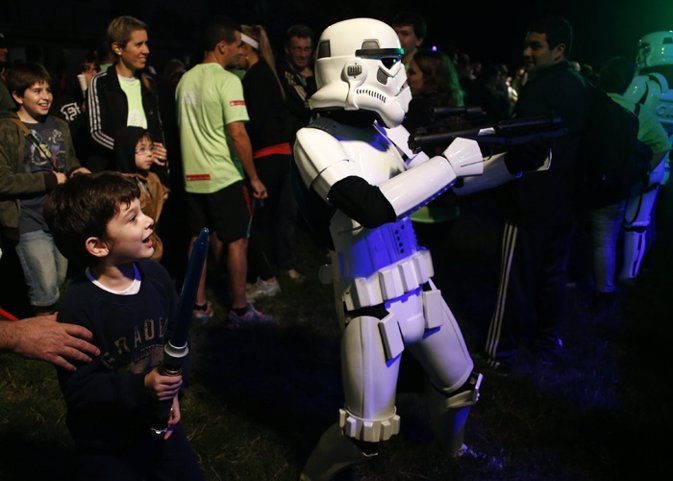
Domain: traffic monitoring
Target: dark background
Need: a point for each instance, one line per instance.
(488, 32)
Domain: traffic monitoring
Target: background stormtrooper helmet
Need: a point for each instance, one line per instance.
(359, 67)
(655, 49)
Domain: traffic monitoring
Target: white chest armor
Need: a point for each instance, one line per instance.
(384, 263)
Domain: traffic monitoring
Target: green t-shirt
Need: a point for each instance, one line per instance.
(432, 214)
(208, 98)
(131, 87)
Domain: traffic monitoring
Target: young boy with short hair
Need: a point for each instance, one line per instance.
(36, 154)
(129, 304)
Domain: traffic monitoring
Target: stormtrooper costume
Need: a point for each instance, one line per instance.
(653, 87)
(354, 156)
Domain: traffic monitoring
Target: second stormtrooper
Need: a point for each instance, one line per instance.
(652, 87)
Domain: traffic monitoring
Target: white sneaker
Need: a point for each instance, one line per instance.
(295, 275)
(262, 288)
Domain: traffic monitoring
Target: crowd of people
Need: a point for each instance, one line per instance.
(123, 166)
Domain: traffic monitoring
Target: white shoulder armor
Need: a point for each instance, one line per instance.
(321, 159)
(637, 89)
(646, 89)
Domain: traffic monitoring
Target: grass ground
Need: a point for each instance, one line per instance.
(259, 399)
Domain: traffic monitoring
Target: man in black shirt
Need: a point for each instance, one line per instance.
(539, 207)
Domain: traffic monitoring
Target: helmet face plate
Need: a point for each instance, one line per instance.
(359, 67)
(655, 49)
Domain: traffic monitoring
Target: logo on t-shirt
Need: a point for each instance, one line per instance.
(70, 111)
(236, 103)
(193, 177)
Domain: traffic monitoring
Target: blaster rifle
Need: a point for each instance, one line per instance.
(504, 133)
(471, 114)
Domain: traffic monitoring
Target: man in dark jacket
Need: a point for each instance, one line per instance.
(539, 207)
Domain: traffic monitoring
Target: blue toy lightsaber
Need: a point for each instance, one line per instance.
(176, 349)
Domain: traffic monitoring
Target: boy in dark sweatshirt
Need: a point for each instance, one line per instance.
(128, 302)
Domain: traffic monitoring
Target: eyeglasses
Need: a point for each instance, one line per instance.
(146, 150)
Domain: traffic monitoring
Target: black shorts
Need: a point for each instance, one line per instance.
(225, 212)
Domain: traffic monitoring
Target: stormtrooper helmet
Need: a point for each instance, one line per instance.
(359, 67)
(655, 49)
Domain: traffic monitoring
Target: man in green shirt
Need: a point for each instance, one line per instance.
(217, 157)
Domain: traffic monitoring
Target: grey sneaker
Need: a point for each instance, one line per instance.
(251, 317)
(262, 288)
(203, 313)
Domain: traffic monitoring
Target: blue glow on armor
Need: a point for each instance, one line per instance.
(380, 247)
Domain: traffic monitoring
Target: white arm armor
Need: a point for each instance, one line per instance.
(323, 161)
(495, 174)
(410, 189)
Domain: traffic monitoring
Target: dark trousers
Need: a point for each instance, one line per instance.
(149, 460)
(267, 216)
(530, 301)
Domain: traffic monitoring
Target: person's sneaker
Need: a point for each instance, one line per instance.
(469, 455)
(250, 317)
(486, 362)
(203, 312)
(262, 288)
(548, 350)
(502, 366)
(295, 275)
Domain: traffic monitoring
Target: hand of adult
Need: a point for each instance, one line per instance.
(45, 339)
(60, 177)
(160, 154)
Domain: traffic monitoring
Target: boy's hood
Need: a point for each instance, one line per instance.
(8, 114)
